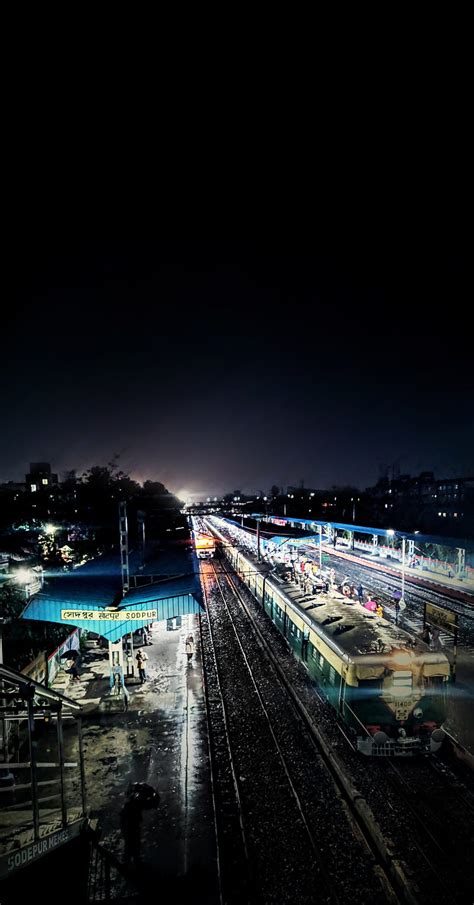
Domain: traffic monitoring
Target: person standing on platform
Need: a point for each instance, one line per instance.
(145, 635)
(189, 646)
(74, 672)
(141, 659)
(426, 635)
(360, 593)
(130, 824)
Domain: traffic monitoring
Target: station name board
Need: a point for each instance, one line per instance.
(35, 850)
(109, 615)
(441, 618)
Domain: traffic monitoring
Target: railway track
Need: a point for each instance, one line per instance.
(234, 873)
(438, 816)
(293, 820)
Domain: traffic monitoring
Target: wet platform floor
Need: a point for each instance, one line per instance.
(161, 740)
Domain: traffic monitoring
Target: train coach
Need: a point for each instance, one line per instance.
(388, 688)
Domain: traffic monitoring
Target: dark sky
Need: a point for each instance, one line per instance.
(215, 366)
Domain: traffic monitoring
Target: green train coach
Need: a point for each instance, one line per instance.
(388, 688)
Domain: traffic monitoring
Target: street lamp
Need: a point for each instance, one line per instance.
(400, 603)
(23, 576)
(402, 599)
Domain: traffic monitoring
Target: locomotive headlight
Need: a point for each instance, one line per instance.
(402, 658)
(418, 713)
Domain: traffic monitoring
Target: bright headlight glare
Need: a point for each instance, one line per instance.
(402, 658)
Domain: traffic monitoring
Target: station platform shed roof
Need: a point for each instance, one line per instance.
(457, 542)
(95, 601)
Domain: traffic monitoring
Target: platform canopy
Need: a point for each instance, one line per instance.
(81, 604)
(311, 525)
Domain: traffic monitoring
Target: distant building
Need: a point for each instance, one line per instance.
(425, 503)
(12, 487)
(40, 477)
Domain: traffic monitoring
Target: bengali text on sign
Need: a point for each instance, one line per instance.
(110, 615)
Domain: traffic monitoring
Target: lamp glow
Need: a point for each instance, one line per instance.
(23, 576)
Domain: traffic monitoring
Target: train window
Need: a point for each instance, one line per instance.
(402, 679)
(332, 675)
(298, 634)
(320, 660)
(314, 652)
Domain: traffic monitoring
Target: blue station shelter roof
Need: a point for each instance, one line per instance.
(70, 598)
(363, 529)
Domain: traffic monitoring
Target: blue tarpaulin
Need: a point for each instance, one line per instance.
(278, 540)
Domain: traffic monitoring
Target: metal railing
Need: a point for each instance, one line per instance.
(109, 880)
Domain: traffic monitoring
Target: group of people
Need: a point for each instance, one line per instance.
(313, 580)
(358, 595)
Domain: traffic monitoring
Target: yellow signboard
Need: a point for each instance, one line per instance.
(110, 615)
(443, 619)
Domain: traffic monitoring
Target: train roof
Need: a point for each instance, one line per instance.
(350, 629)
(354, 632)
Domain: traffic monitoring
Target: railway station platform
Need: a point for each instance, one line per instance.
(464, 585)
(161, 739)
(461, 589)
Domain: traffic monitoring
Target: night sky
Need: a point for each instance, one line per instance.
(217, 366)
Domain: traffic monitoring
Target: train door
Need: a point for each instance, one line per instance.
(305, 645)
(342, 691)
